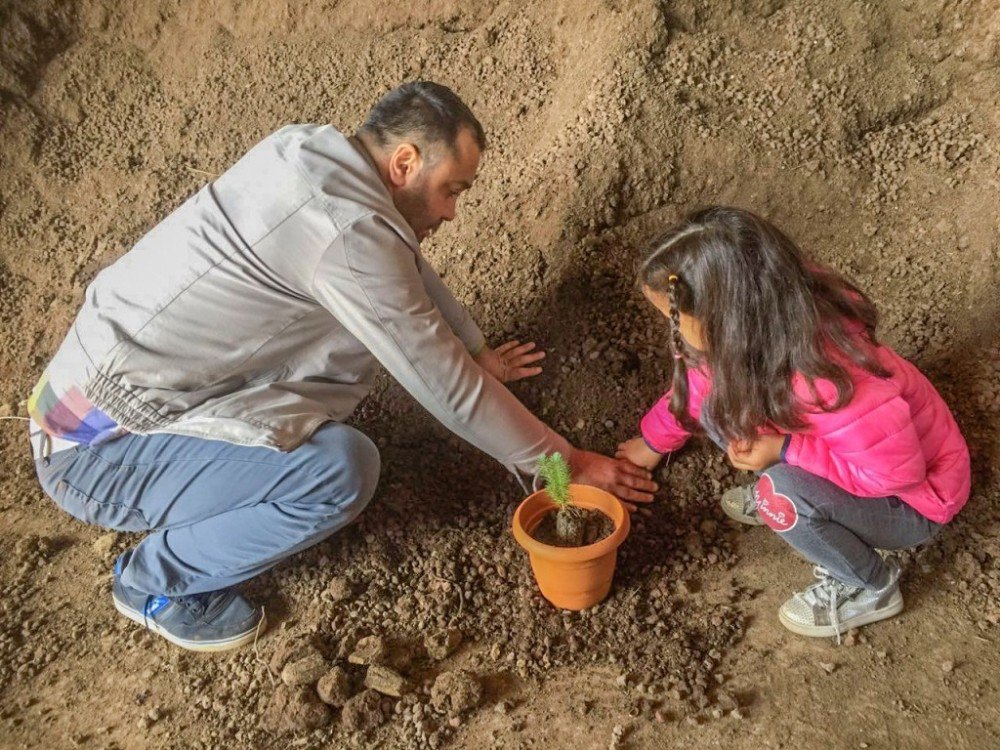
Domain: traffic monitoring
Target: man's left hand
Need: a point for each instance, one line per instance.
(510, 361)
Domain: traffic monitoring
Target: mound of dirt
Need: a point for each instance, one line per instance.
(867, 131)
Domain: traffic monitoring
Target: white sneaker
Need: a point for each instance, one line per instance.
(740, 504)
(830, 607)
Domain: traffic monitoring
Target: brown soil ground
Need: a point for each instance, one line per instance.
(867, 130)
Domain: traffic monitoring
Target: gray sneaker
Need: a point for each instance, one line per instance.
(830, 607)
(740, 504)
(213, 621)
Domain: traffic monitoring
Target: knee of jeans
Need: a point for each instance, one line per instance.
(782, 476)
(780, 504)
(350, 475)
(367, 463)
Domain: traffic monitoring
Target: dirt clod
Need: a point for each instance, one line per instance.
(363, 712)
(867, 131)
(291, 649)
(305, 671)
(334, 688)
(339, 589)
(386, 681)
(295, 709)
(373, 649)
(103, 545)
(456, 691)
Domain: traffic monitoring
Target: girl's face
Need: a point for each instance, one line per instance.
(690, 328)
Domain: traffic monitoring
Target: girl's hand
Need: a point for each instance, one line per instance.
(636, 451)
(622, 479)
(510, 361)
(756, 455)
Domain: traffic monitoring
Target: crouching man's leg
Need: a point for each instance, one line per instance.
(218, 514)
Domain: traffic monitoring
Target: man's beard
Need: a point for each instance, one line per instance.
(412, 204)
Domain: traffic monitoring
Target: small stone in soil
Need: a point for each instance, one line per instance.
(442, 643)
(386, 681)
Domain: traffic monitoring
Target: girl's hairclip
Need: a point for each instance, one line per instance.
(672, 277)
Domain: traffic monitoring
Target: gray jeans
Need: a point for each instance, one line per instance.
(218, 513)
(831, 527)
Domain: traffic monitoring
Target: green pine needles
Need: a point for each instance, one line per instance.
(570, 526)
(554, 471)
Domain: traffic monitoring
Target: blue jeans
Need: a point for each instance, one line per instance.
(218, 513)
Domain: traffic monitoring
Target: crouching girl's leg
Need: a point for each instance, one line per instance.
(839, 533)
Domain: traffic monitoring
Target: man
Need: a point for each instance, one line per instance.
(202, 390)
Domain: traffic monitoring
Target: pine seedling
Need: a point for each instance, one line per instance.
(554, 471)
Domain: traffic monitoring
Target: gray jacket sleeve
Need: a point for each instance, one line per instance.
(454, 311)
(369, 280)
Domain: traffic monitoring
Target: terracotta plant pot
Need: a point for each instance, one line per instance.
(572, 577)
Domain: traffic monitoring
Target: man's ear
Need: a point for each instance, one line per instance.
(404, 163)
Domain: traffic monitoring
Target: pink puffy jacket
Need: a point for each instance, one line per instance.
(895, 437)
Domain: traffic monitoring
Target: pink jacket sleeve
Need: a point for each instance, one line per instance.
(869, 447)
(660, 429)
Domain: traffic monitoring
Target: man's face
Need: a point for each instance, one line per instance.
(429, 194)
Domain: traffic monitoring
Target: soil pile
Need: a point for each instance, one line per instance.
(866, 131)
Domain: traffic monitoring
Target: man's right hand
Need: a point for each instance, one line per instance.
(617, 476)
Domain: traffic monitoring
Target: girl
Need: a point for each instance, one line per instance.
(776, 359)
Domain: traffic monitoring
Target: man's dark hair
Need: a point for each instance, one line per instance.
(425, 112)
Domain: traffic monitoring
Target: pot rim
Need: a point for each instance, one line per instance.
(598, 499)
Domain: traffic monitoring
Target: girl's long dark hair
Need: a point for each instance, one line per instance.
(767, 315)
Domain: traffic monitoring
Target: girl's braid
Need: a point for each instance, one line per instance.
(676, 342)
(679, 397)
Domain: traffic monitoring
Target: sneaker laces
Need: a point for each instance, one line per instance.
(830, 593)
(202, 606)
(205, 605)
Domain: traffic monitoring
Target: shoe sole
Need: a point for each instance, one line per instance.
(204, 646)
(829, 631)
